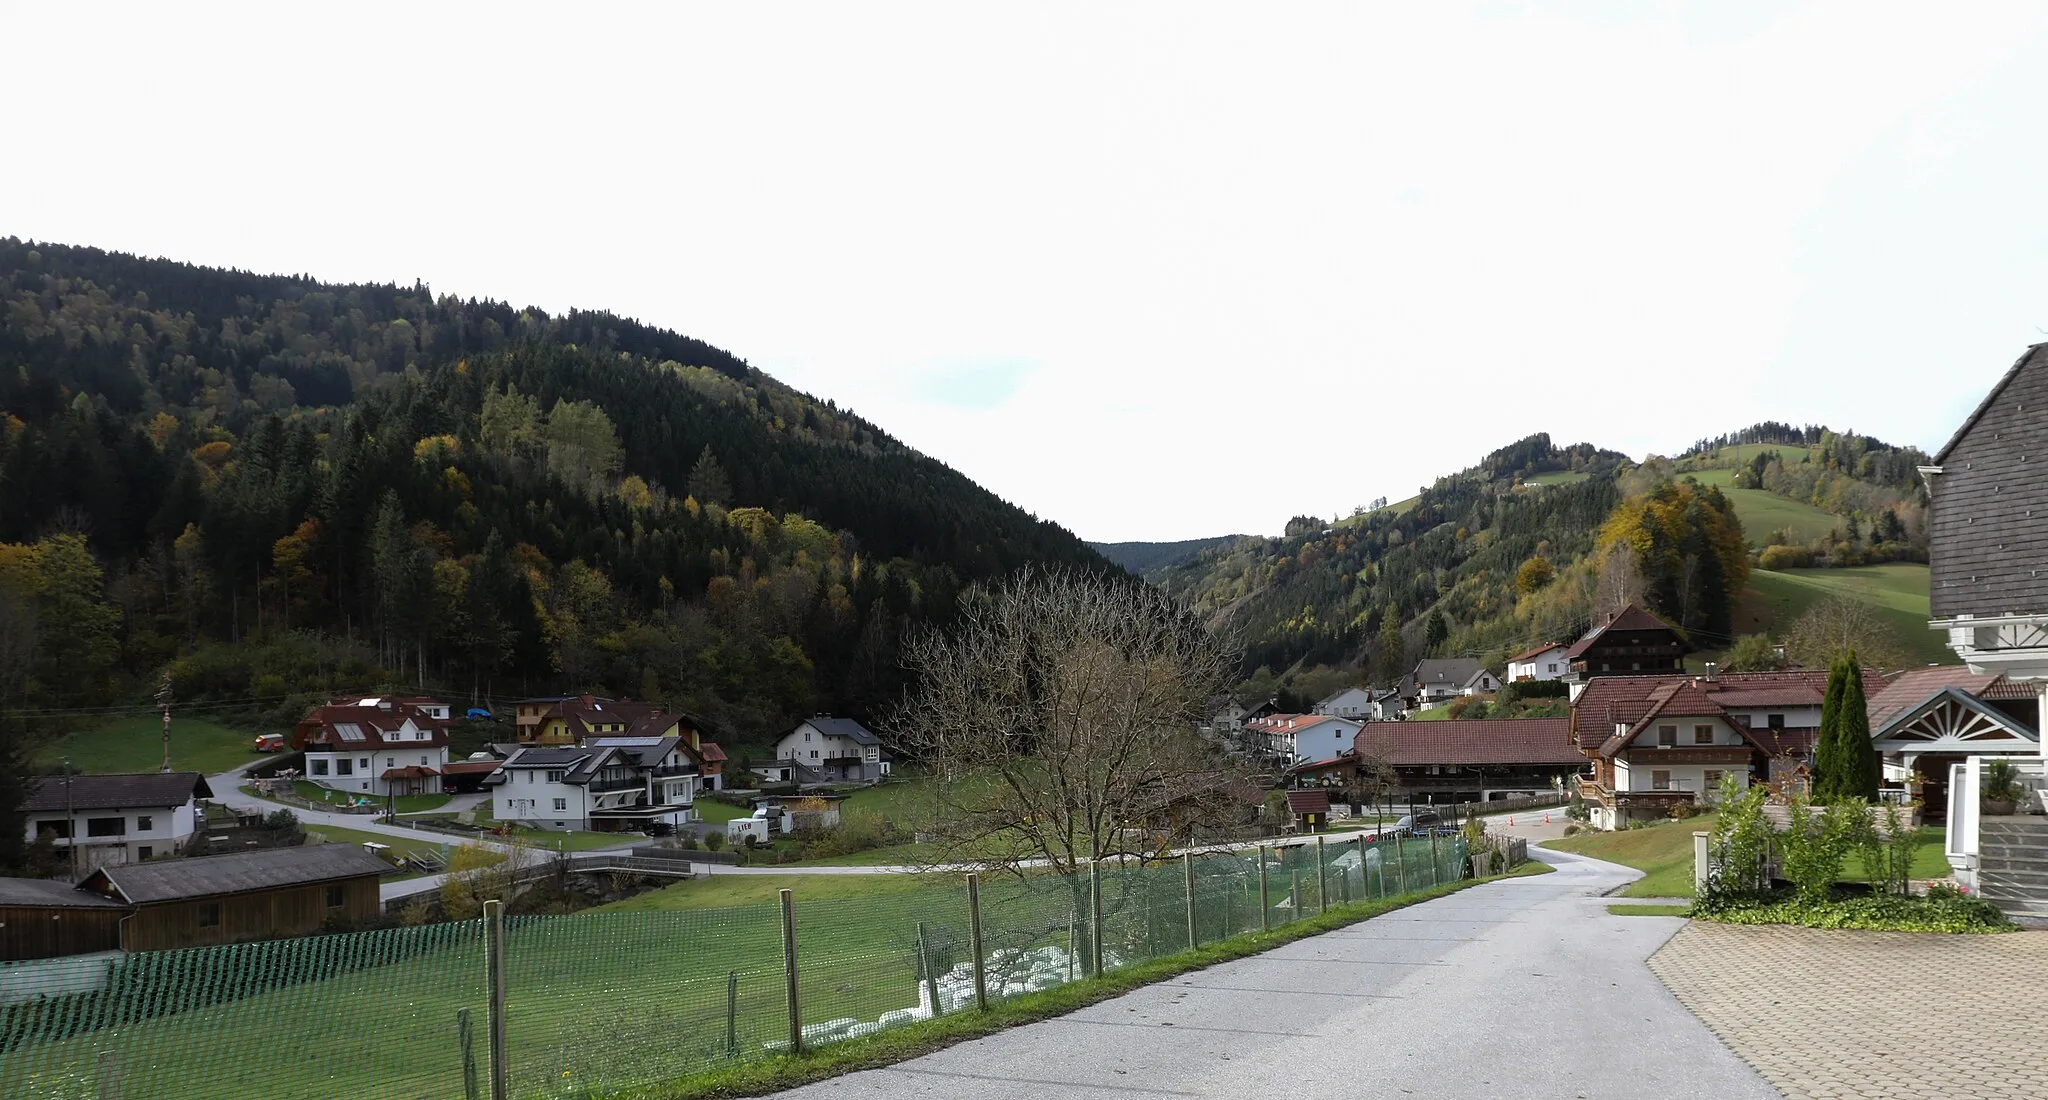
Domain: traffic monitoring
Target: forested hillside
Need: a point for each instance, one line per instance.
(274, 487)
(1535, 541)
(1148, 558)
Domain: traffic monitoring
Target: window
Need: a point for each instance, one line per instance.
(336, 895)
(55, 830)
(1667, 736)
(554, 777)
(1551, 667)
(209, 914)
(364, 763)
(1776, 721)
(390, 761)
(1703, 735)
(807, 735)
(144, 823)
(320, 766)
(106, 826)
(1660, 781)
(143, 853)
(344, 766)
(814, 754)
(1712, 778)
(423, 760)
(561, 804)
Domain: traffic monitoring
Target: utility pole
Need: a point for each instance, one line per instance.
(70, 823)
(163, 699)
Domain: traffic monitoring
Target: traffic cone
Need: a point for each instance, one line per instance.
(1546, 819)
(1511, 821)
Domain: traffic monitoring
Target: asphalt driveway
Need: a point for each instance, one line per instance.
(1519, 988)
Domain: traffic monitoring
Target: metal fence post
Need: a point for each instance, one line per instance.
(924, 968)
(1187, 868)
(1322, 878)
(110, 1075)
(1365, 871)
(1294, 897)
(789, 982)
(465, 1037)
(974, 940)
(732, 1012)
(494, 961)
(1095, 917)
(1436, 862)
(1401, 861)
(1265, 902)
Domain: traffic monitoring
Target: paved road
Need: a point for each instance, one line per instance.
(1522, 988)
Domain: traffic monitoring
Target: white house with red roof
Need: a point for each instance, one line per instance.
(1543, 662)
(1294, 738)
(375, 745)
(1654, 742)
(1469, 760)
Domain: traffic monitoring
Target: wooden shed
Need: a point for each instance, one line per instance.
(45, 918)
(1311, 809)
(266, 894)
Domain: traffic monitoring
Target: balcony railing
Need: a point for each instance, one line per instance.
(605, 786)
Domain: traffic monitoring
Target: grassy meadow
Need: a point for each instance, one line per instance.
(1896, 591)
(137, 745)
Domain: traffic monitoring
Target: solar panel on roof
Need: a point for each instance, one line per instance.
(349, 731)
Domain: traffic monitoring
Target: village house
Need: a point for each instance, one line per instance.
(1475, 760)
(1386, 705)
(375, 746)
(1930, 720)
(1292, 738)
(1437, 680)
(606, 784)
(840, 750)
(1988, 590)
(1655, 742)
(1352, 702)
(116, 819)
(1630, 642)
(1543, 662)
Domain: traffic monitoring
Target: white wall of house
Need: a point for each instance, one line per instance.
(1547, 665)
(809, 745)
(1791, 718)
(117, 836)
(1645, 773)
(1349, 703)
(1483, 684)
(1321, 740)
(539, 799)
(360, 770)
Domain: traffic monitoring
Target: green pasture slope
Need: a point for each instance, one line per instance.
(1896, 591)
(1762, 512)
(137, 745)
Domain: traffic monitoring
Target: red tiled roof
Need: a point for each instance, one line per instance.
(1916, 686)
(1536, 652)
(1308, 802)
(1791, 695)
(710, 751)
(471, 767)
(326, 728)
(1469, 741)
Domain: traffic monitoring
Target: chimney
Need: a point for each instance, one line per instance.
(1712, 669)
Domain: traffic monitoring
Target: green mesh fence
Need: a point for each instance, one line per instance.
(603, 1001)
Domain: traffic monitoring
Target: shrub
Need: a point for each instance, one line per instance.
(1878, 912)
(1888, 853)
(1785, 557)
(687, 841)
(1741, 842)
(714, 841)
(1816, 845)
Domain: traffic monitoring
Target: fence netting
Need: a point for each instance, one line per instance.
(607, 1000)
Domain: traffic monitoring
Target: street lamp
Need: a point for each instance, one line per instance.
(70, 823)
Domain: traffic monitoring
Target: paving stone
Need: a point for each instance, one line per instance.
(1871, 1015)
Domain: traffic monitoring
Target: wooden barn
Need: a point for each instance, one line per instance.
(45, 918)
(266, 894)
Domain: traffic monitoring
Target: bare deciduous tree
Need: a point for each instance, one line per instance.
(1060, 718)
(1839, 625)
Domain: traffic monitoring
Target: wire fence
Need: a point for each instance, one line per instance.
(596, 1002)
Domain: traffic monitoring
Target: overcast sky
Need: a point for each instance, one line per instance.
(1156, 271)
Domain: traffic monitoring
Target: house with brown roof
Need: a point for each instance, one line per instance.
(1654, 743)
(1292, 738)
(1470, 760)
(116, 819)
(1928, 721)
(373, 746)
(1629, 642)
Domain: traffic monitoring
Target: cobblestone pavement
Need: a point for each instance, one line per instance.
(1825, 1014)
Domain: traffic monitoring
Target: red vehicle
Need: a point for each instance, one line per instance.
(270, 742)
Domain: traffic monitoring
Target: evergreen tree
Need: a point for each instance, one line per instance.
(1436, 632)
(1845, 762)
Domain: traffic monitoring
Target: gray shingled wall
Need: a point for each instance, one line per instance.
(1989, 514)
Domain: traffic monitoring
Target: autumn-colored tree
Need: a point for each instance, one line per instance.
(1689, 547)
(1534, 574)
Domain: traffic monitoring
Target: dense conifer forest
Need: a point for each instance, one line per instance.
(272, 487)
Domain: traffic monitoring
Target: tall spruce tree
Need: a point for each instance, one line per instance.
(1845, 763)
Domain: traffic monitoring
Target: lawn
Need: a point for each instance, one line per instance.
(401, 847)
(1763, 512)
(1738, 454)
(1896, 591)
(715, 890)
(405, 803)
(1648, 910)
(718, 813)
(1557, 477)
(137, 745)
(1663, 852)
(573, 841)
